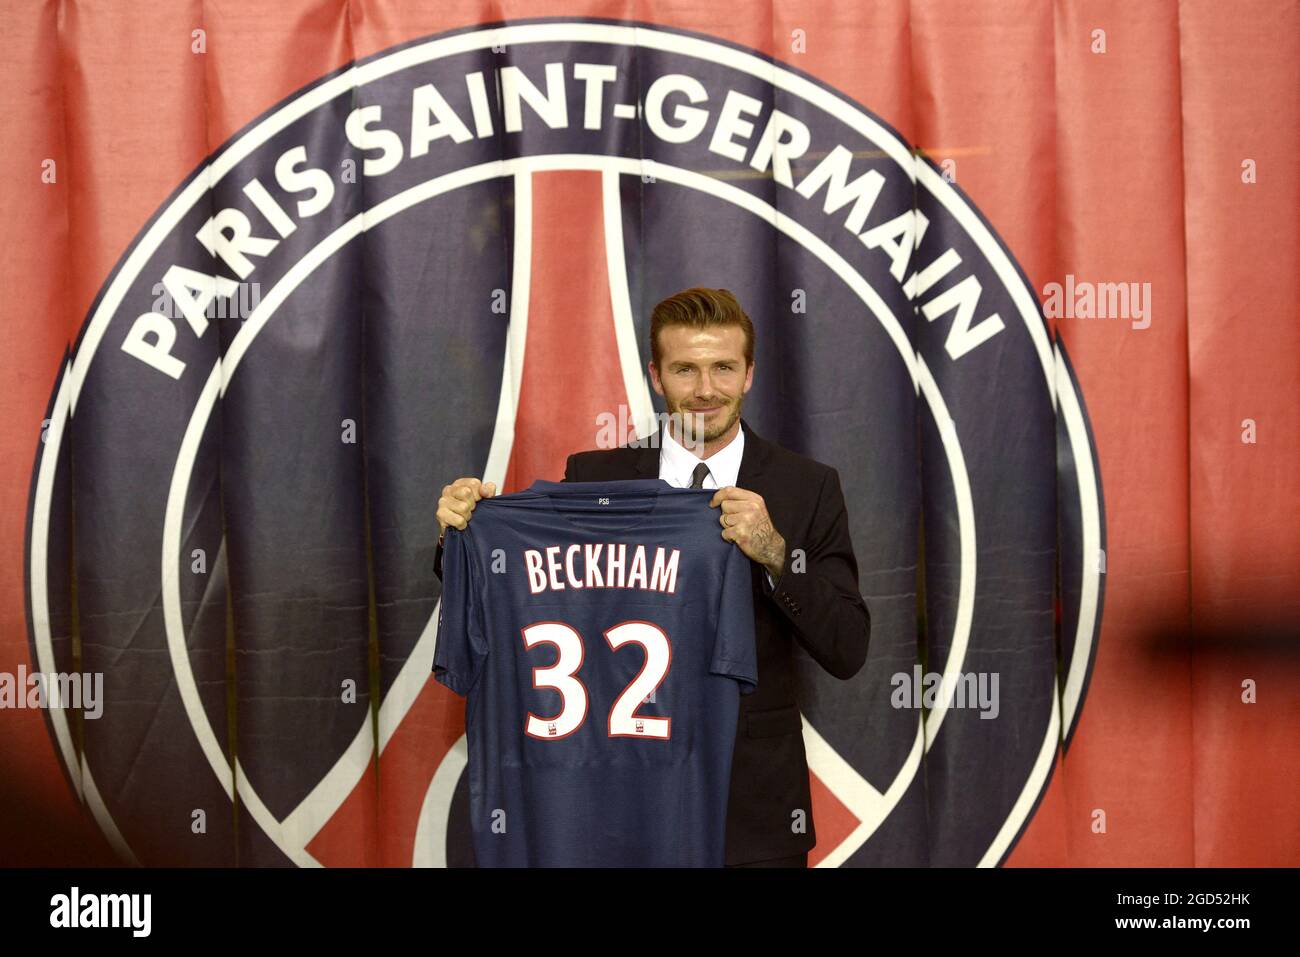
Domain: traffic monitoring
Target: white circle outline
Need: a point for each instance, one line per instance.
(647, 37)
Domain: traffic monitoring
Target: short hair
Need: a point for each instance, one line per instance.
(700, 308)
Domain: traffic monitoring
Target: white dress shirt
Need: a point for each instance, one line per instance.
(677, 464)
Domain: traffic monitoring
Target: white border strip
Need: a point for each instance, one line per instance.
(1090, 510)
(635, 385)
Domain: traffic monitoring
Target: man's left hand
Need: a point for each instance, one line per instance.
(745, 521)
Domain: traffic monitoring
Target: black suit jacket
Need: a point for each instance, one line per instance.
(815, 603)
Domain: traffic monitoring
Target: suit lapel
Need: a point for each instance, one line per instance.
(753, 460)
(646, 460)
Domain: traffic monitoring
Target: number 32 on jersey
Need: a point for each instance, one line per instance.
(562, 676)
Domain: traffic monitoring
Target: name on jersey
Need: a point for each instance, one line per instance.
(604, 565)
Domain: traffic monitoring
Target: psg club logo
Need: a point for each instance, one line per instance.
(384, 211)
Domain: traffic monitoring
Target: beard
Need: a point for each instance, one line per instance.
(724, 419)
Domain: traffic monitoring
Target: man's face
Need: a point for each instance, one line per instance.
(702, 371)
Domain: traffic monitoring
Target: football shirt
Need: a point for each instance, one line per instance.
(602, 633)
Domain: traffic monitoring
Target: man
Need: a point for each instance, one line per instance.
(784, 511)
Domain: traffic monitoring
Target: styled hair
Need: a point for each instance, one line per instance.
(700, 308)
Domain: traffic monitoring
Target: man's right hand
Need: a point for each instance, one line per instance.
(457, 502)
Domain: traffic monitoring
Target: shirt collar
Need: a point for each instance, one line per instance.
(680, 462)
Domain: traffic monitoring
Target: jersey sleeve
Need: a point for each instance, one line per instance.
(461, 642)
(733, 646)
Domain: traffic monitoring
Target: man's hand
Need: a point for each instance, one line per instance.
(457, 502)
(745, 521)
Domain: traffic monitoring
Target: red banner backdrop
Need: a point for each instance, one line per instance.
(1149, 144)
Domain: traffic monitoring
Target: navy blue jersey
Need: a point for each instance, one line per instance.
(603, 633)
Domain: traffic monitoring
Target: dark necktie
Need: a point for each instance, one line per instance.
(697, 477)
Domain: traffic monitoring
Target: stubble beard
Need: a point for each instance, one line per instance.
(711, 432)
